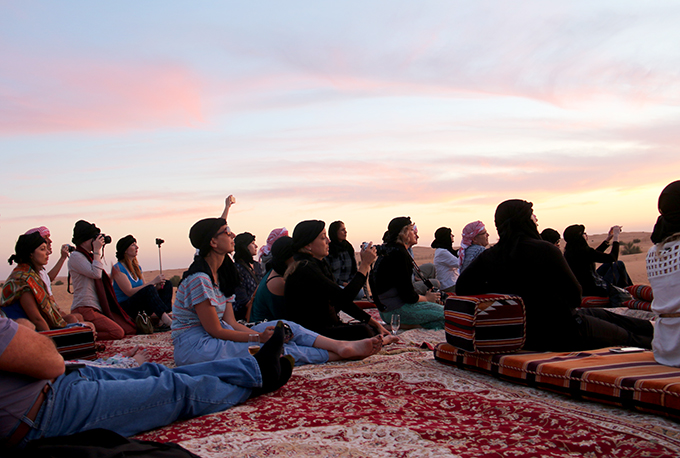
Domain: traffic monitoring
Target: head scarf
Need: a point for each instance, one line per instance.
(44, 232)
(273, 236)
(513, 222)
(241, 251)
(573, 235)
(669, 206)
(203, 232)
(442, 239)
(305, 232)
(122, 246)
(26, 244)
(550, 235)
(282, 251)
(84, 231)
(470, 231)
(395, 227)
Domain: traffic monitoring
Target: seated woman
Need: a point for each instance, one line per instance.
(446, 260)
(391, 281)
(475, 240)
(269, 300)
(551, 235)
(581, 258)
(264, 254)
(49, 277)
(204, 327)
(523, 264)
(25, 294)
(313, 299)
(249, 272)
(134, 294)
(93, 295)
(663, 271)
(341, 256)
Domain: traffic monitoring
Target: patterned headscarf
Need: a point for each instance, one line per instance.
(470, 231)
(44, 232)
(273, 236)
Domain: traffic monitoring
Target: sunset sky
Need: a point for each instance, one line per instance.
(143, 116)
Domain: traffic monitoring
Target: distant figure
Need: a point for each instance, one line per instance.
(133, 293)
(93, 294)
(582, 259)
(269, 302)
(391, 284)
(552, 236)
(265, 250)
(475, 240)
(250, 273)
(523, 264)
(446, 260)
(663, 271)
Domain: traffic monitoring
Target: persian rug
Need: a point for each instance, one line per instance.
(403, 403)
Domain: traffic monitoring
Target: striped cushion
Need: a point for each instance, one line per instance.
(638, 305)
(594, 301)
(641, 292)
(632, 380)
(488, 323)
(73, 343)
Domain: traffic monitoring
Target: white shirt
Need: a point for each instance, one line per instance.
(83, 275)
(446, 265)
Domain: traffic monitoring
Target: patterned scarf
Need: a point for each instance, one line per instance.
(470, 231)
(24, 279)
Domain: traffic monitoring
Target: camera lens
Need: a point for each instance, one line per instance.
(107, 239)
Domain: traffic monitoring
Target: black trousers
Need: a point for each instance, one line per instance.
(601, 328)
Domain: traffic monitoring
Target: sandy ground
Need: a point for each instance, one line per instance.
(635, 264)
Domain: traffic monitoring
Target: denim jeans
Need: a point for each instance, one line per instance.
(129, 401)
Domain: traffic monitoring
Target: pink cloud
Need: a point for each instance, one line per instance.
(67, 95)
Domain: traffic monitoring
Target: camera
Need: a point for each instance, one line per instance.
(107, 238)
(71, 248)
(379, 249)
(159, 242)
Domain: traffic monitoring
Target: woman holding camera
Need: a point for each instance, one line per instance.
(391, 281)
(204, 327)
(135, 295)
(93, 295)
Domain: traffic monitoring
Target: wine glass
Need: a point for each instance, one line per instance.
(253, 343)
(394, 323)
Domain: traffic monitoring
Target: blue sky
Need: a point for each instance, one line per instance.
(142, 117)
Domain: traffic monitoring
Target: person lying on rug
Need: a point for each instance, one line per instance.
(475, 240)
(391, 285)
(446, 260)
(582, 258)
(269, 301)
(663, 271)
(313, 298)
(523, 264)
(250, 274)
(203, 324)
(134, 294)
(25, 295)
(93, 295)
(39, 399)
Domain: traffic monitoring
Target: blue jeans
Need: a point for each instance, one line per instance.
(129, 401)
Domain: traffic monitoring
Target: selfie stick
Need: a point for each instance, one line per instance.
(159, 242)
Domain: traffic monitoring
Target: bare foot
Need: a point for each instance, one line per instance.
(360, 349)
(389, 339)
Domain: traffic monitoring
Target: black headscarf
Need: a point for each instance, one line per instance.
(550, 235)
(202, 232)
(669, 206)
(573, 235)
(282, 251)
(305, 232)
(26, 244)
(513, 222)
(122, 246)
(241, 252)
(395, 227)
(84, 231)
(442, 239)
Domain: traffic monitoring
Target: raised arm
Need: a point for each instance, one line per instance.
(31, 354)
(228, 202)
(63, 256)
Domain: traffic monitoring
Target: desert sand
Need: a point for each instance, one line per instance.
(635, 264)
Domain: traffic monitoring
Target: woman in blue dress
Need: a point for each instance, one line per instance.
(204, 327)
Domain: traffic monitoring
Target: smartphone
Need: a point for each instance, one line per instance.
(627, 350)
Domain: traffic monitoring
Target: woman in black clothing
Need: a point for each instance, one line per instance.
(523, 264)
(249, 272)
(313, 299)
(581, 258)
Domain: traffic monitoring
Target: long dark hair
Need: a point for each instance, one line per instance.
(337, 246)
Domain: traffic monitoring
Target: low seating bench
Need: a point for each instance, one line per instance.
(631, 380)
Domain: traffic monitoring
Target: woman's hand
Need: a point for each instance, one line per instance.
(378, 327)
(98, 243)
(158, 281)
(266, 334)
(368, 255)
(432, 296)
(64, 253)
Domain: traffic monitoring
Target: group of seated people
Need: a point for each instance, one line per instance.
(300, 297)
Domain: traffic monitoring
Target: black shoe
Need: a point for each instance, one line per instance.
(162, 328)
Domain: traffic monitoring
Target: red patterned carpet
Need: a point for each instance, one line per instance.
(403, 403)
